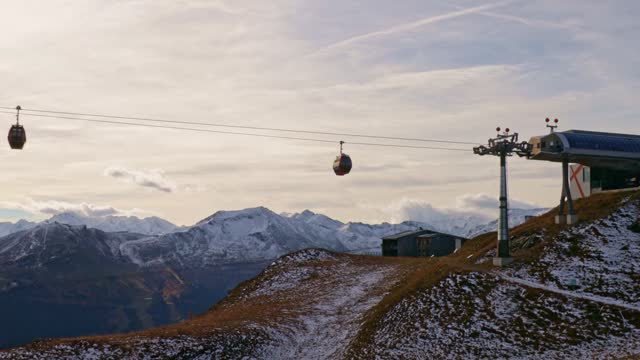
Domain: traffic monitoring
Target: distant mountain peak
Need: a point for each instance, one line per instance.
(228, 214)
(246, 235)
(148, 226)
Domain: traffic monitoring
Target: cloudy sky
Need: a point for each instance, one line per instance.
(433, 69)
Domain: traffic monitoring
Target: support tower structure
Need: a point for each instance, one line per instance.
(504, 145)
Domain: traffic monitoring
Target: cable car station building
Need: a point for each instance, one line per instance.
(603, 161)
(421, 243)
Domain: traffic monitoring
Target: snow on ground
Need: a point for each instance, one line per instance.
(329, 295)
(575, 294)
(600, 258)
(483, 316)
(305, 256)
(291, 271)
(331, 322)
(528, 311)
(230, 345)
(331, 298)
(580, 300)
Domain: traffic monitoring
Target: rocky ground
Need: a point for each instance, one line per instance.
(572, 293)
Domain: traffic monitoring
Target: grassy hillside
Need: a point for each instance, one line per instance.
(317, 304)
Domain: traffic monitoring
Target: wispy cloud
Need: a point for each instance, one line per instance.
(530, 22)
(413, 25)
(152, 179)
(424, 69)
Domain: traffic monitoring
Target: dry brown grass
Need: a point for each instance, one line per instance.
(414, 274)
(424, 273)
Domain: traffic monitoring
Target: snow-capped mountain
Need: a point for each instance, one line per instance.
(255, 234)
(467, 226)
(260, 234)
(317, 219)
(182, 272)
(67, 245)
(571, 293)
(248, 235)
(148, 226)
(75, 280)
(7, 228)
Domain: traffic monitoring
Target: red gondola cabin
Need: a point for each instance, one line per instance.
(342, 165)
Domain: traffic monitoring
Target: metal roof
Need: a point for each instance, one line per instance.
(602, 141)
(590, 148)
(418, 233)
(406, 233)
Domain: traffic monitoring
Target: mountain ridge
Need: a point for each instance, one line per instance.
(153, 225)
(316, 303)
(52, 265)
(252, 234)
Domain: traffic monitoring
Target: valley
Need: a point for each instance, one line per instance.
(321, 304)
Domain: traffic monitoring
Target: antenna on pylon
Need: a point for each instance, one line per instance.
(552, 127)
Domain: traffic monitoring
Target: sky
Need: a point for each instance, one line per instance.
(408, 68)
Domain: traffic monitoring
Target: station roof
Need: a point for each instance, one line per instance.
(417, 234)
(590, 148)
(407, 233)
(602, 141)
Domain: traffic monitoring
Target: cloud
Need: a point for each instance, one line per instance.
(477, 202)
(414, 25)
(529, 22)
(153, 179)
(469, 207)
(54, 207)
(415, 210)
(423, 69)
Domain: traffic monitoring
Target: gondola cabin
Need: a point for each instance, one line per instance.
(342, 165)
(17, 137)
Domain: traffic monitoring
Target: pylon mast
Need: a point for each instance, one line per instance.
(503, 145)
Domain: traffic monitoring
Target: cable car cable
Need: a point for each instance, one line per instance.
(250, 127)
(239, 133)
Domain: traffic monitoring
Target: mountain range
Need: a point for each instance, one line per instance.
(148, 226)
(250, 234)
(112, 274)
(571, 293)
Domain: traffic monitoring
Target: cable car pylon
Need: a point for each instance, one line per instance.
(504, 145)
(17, 134)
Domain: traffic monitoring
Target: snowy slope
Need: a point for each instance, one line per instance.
(259, 234)
(579, 300)
(254, 234)
(55, 243)
(467, 226)
(331, 292)
(601, 257)
(479, 315)
(314, 304)
(241, 236)
(148, 226)
(7, 228)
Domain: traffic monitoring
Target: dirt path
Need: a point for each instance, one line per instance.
(590, 297)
